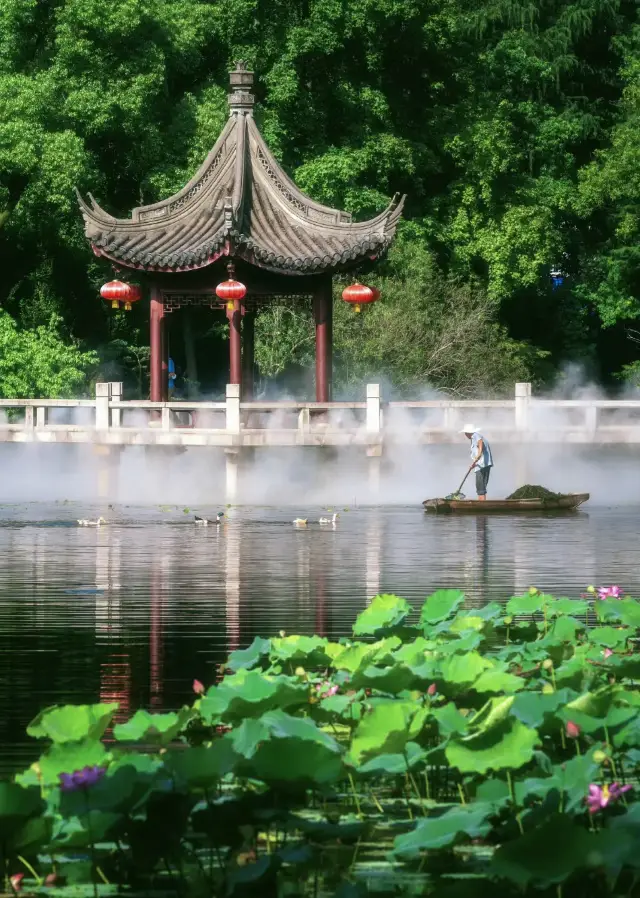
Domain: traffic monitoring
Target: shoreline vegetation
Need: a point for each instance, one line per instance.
(435, 754)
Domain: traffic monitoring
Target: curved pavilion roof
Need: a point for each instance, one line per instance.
(239, 203)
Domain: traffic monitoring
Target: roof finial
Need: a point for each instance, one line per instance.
(241, 81)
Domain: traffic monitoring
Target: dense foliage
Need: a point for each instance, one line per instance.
(512, 126)
(477, 748)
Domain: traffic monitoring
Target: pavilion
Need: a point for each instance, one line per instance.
(239, 213)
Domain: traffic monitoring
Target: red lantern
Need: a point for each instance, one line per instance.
(360, 295)
(231, 291)
(118, 291)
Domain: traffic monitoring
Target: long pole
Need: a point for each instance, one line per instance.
(248, 352)
(156, 314)
(235, 343)
(323, 315)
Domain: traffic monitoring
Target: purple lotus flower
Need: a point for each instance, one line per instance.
(81, 779)
(609, 592)
(600, 796)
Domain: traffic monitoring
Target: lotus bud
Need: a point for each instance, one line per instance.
(300, 672)
(600, 757)
(432, 689)
(547, 664)
(198, 687)
(591, 589)
(508, 620)
(548, 689)
(572, 730)
(533, 591)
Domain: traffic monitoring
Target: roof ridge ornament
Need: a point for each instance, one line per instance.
(241, 99)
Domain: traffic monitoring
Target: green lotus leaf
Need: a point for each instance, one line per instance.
(505, 745)
(383, 613)
(72, 723)
(626, 611)
(463, 622)
(295, 750)
(249, 694)
(440, 606)
(546, 855)
(154, 729)
(610, 637)
(529, 603)
(81, 832)
(450, 720)
(460, 823)
(412, 652)
(307, 651)
(498, 681)
(574, 778)
(21, 825)
(251, 656)
(201, 767)
(557, 607)
(393, 764)
(532, 708)
(391, 679)
(69, 757)
(386, 730)
(464, 669)
(127, 782)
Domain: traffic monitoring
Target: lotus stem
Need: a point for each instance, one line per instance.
(461, 794)
(25, 863)
(355, 794)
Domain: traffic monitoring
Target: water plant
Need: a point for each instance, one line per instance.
(437, 753)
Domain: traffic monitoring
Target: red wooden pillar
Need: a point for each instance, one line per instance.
(323, 316)
(165, 359)
(248, 354)
(156, 323)
(234, 314)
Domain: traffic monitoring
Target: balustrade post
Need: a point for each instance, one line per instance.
(102, 406)
(591, 419)
(115, 394)
(41, 417)
(233, 408)
(166, 418)
(28, 418)
(374, 423)
(523, 400)
(304, 420)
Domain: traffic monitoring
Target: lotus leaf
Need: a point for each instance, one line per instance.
(250, 694)
(464, 622)
(498, 681)
(68, 757)
(392, 764)
(557, 607)
(574, 777)
(154, 729)
(412, 652)
(251, 656)
(391, 679)
(81, 832)
(611, 637)
(529, 603)
(445, 830)
(308, 651)
(464, 669)
(200, 766)
(533, 708)
(72, 723)
(505, 745)
(348, 828)
(387, 729)
(383, 613)
(546, 855)
(359, 655)
(440, 606)
(22, 829)
(450, 720)
(626, 611)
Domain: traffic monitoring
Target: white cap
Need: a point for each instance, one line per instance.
(468, 428)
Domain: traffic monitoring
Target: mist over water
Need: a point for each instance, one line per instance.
(301, 477)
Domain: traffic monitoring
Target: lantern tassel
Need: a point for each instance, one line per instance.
(127, 306)
(357, 308)
(115, 304)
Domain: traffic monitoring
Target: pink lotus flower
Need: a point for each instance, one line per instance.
(600, 796)
(609, 592)
(573, 730)
(16, 882)
(198, 687)
(326, 690)
(432, 689)
(607, 653)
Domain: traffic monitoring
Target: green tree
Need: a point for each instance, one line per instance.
(39, 363)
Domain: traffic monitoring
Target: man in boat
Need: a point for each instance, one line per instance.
(481, 459)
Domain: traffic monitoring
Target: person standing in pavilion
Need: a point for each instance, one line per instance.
(481, 459)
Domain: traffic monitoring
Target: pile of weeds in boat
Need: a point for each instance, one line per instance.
(482, 748)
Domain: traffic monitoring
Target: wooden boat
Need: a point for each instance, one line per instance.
(504, 506)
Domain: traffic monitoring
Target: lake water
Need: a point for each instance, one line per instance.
(135, 610)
